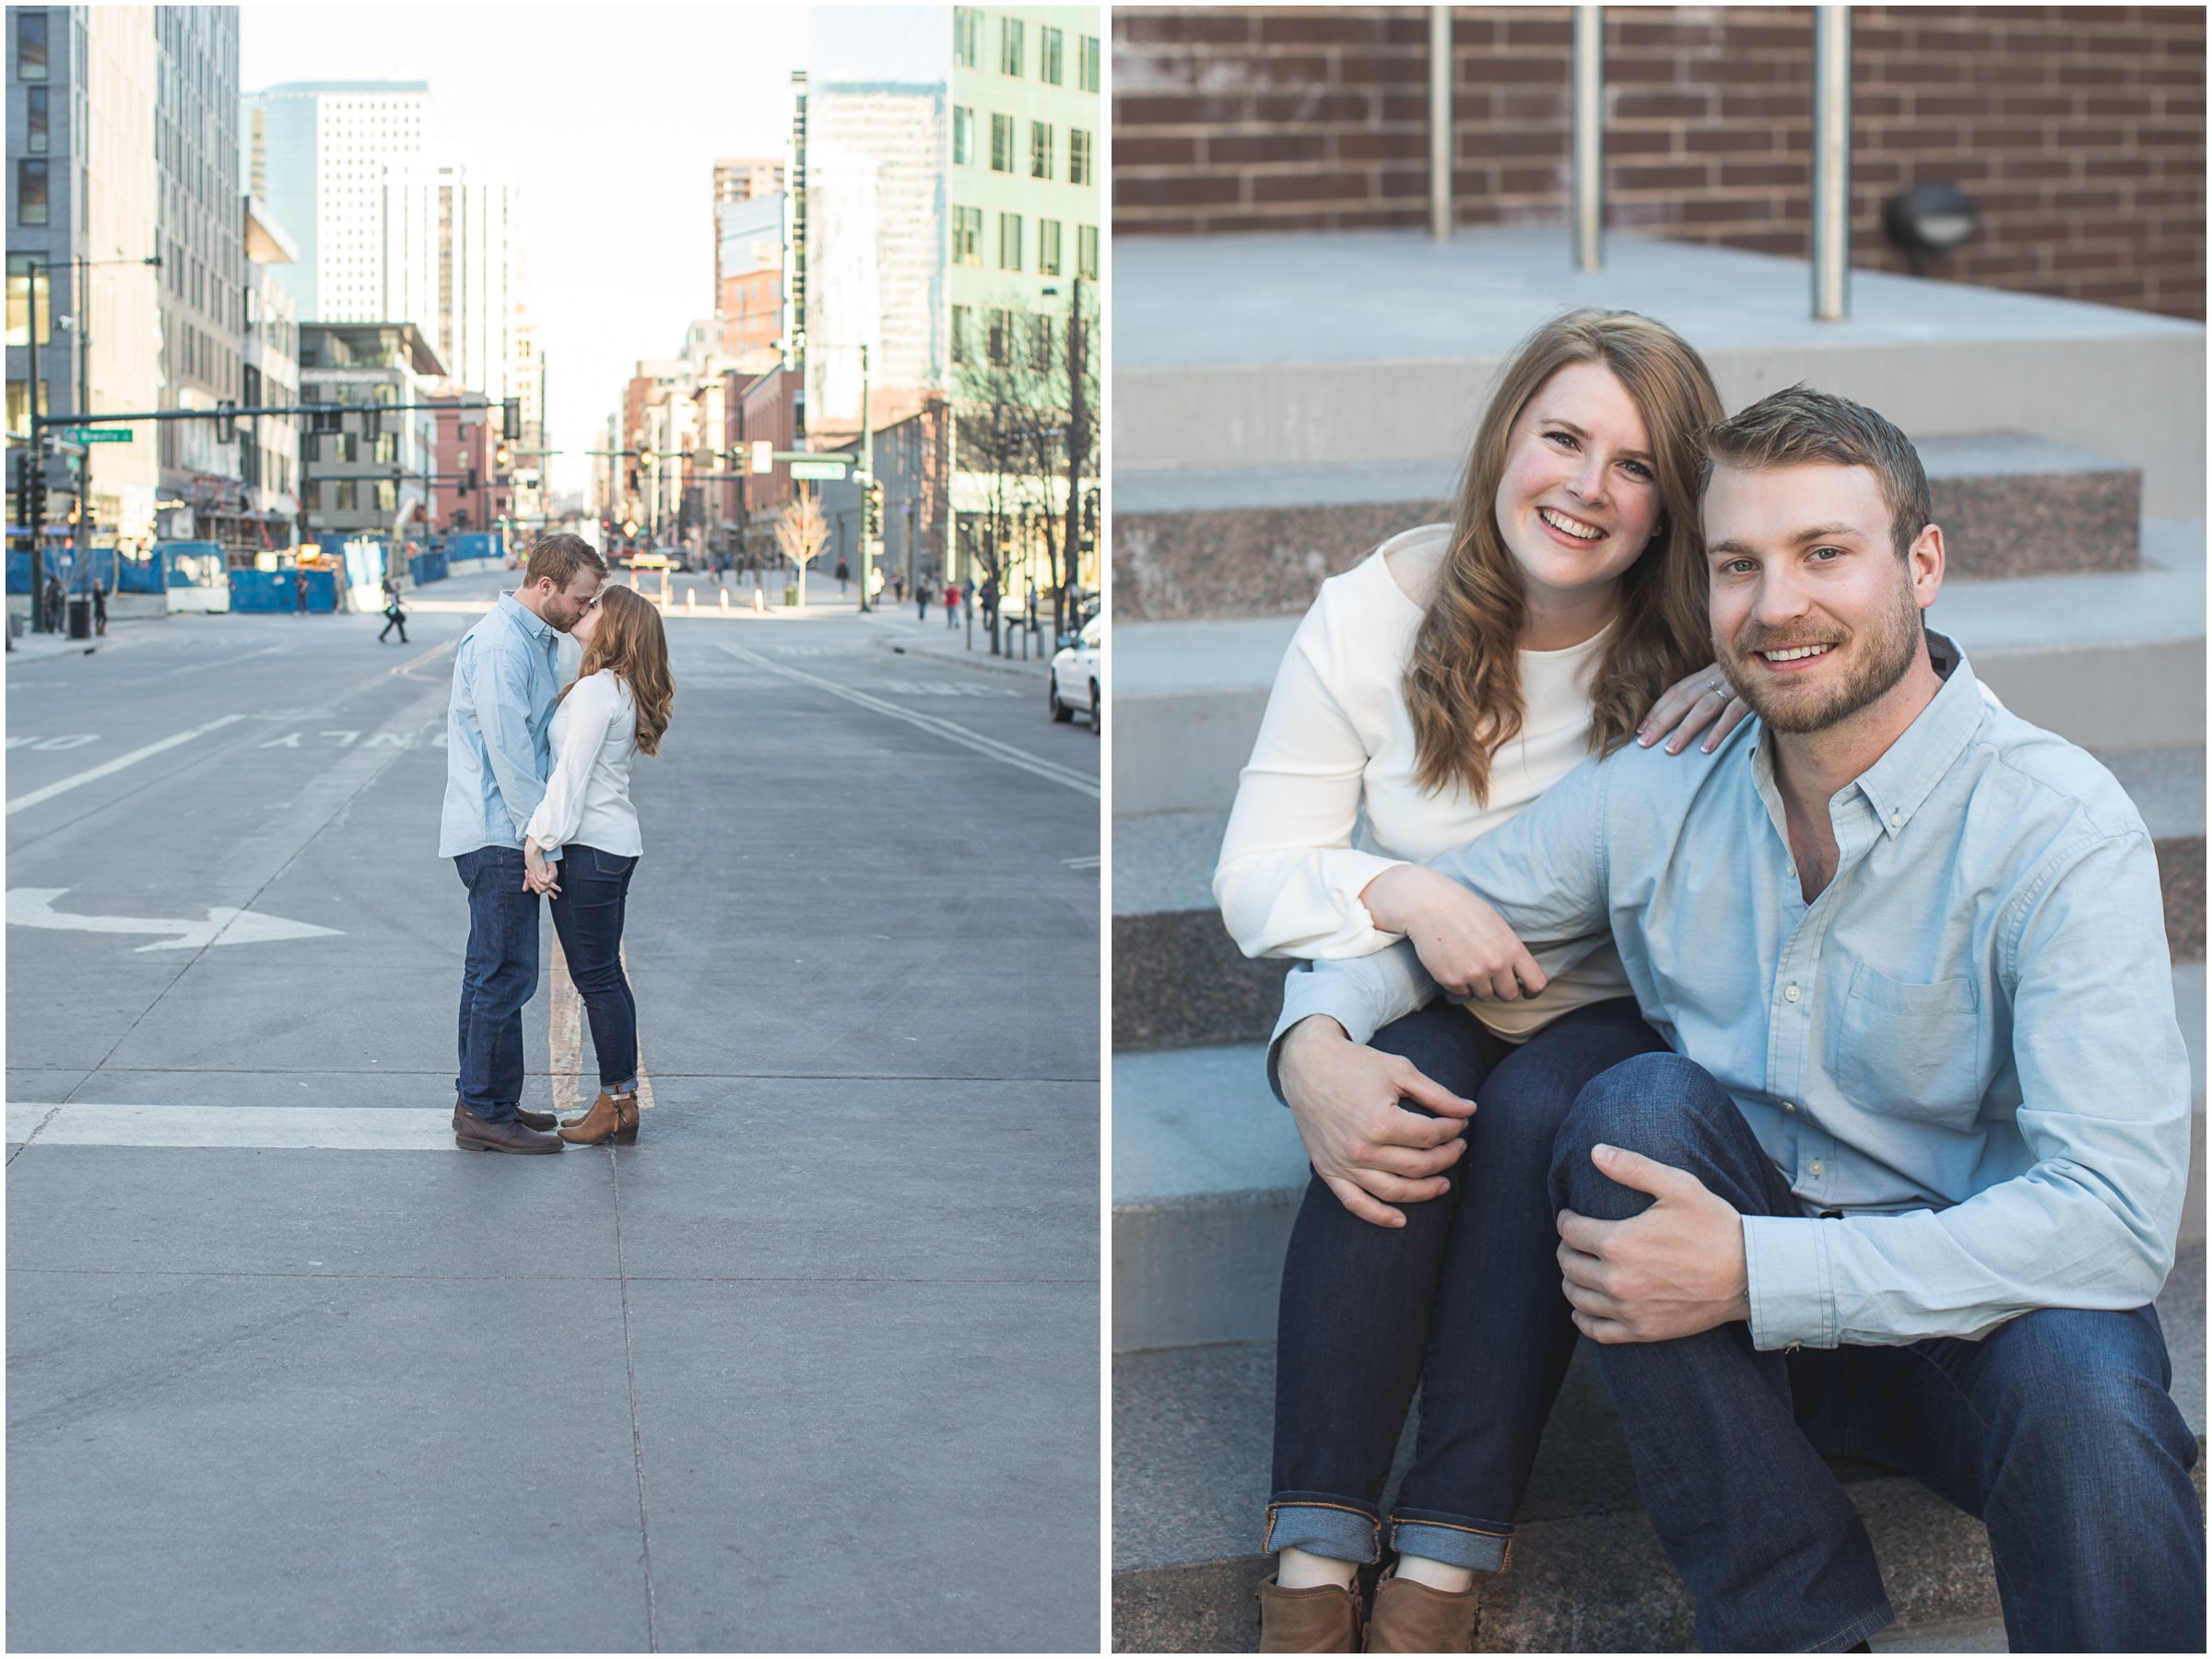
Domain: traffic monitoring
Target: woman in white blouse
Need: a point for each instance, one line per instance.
(1430, 695)
(617, 706)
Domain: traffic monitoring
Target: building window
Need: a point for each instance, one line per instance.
(35, 119)
(31, 193)
(1048, 247)
(30, 49)
(1009, 46)
(967, 37)
(968, 236)
(962, 346)
(1048, 56)
(1009, 242)
(1086, 252)
(21, 275)
(1001, 144)
(1002, 329)
(338, 495)
(1041, 344)
(1087, 64)
(1040, 149)
(387, 496)
(963, 137)
(1078, 158)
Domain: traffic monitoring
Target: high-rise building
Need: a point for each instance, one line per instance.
(317, 153)
(738, 180)
(749, 266)
(447, 261)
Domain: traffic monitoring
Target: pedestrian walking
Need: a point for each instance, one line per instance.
(952, 604)
(394, 616)
(921, 599)
(498, 755)
(298, 593)
(844, 574)
(56, 602)
(967, 599)
(99, 610)
(617, 707)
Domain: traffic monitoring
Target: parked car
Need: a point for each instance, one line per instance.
(1075, 679)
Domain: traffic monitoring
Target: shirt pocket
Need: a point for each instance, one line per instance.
(1909, 1050)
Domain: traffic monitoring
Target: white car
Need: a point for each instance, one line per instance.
(1075, 682)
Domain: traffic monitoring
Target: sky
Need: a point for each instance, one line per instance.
(609, 118)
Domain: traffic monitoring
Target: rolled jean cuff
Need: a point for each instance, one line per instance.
(1454, 1543)
(1333, 1527)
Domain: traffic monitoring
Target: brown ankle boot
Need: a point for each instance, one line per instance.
(1323, 1619)
(1413, 1618)
(612, 1117)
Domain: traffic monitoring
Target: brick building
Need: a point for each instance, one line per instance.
(2078, 130)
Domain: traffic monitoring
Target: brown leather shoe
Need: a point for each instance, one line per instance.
(528, 1120)
(612, 1117)
(1414, 1618)
(472, 1133)
(1323, 1619)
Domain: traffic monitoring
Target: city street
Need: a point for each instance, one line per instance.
(813, 1367)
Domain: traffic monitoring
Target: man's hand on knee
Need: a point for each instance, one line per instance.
(1672, 1270)
(1371, 1152)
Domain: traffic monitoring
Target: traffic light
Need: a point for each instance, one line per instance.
(468, 480)
(226, 423)
(876, 509)
(373, 423)
(633, 480)
(501, 456)
(511, 419)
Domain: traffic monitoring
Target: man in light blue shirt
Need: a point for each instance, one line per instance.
(498, 755)
(1913, 1171)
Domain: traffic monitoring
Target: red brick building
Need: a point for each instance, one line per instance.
(2078, 130)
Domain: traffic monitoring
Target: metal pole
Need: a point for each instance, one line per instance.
(37, 492)
(1831, 163)
(867, 465)
(1440, 122)
(1589, 137)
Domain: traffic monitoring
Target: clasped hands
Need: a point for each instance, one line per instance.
(538, 875)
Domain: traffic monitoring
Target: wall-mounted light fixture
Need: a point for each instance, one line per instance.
(1932, 218)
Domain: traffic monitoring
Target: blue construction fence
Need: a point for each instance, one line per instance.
(279, 590)
(118, 572)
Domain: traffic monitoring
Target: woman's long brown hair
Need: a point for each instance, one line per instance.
(630, 640)
(1463, 687)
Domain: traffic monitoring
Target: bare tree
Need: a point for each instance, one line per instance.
(801, 534)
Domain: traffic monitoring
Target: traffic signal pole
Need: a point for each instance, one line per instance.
(867, 495)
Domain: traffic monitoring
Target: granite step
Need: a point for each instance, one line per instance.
(2113, 661)
(1209, 1171)
(1190, 1433)
(1258, 541)
(1357, 348)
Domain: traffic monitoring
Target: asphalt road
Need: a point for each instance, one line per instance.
(814, 1367)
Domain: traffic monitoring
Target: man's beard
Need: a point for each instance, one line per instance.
(1883, 655)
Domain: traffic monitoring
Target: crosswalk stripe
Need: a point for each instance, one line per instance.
(326, 1128)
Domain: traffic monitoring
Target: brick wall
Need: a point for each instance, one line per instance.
(2080, 130)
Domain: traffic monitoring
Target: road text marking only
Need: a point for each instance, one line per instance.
(1004, 752)
(116, 765)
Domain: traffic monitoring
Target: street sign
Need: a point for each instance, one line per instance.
(97, 434)
(764, 455)
(830, 472)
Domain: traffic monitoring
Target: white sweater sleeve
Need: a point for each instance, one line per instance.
(591, 709)
(1288, 879)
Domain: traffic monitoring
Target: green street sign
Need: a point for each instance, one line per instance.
(832, 472)
(97, 434)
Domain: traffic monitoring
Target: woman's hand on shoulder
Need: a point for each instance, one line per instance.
(1369, 1150)
(1465, 944)
(1689, 706)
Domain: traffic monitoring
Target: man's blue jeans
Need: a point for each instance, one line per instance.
(1463, 1301)
(2055, 1429)
(587, 914)
(500, 975)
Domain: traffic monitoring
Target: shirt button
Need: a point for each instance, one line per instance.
(1816, 1169)
(1897, 817)
(1789, 992)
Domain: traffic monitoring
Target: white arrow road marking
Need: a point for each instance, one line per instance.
(335, 1128)
(116, 765)
(996, 750)
(290, 742)
(33, 906)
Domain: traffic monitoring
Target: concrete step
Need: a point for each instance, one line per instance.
(1245, 542)
(1209, 1171)
(1357, 348)
(2113, 661)
(1190, 1456)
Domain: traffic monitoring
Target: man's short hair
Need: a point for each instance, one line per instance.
(558, 558)
(1798, 426)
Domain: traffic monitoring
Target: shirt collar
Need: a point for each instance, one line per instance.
(523, 618)
(1895, 786)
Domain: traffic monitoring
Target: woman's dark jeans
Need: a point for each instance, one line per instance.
(1355, 1335)
(594, 890)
